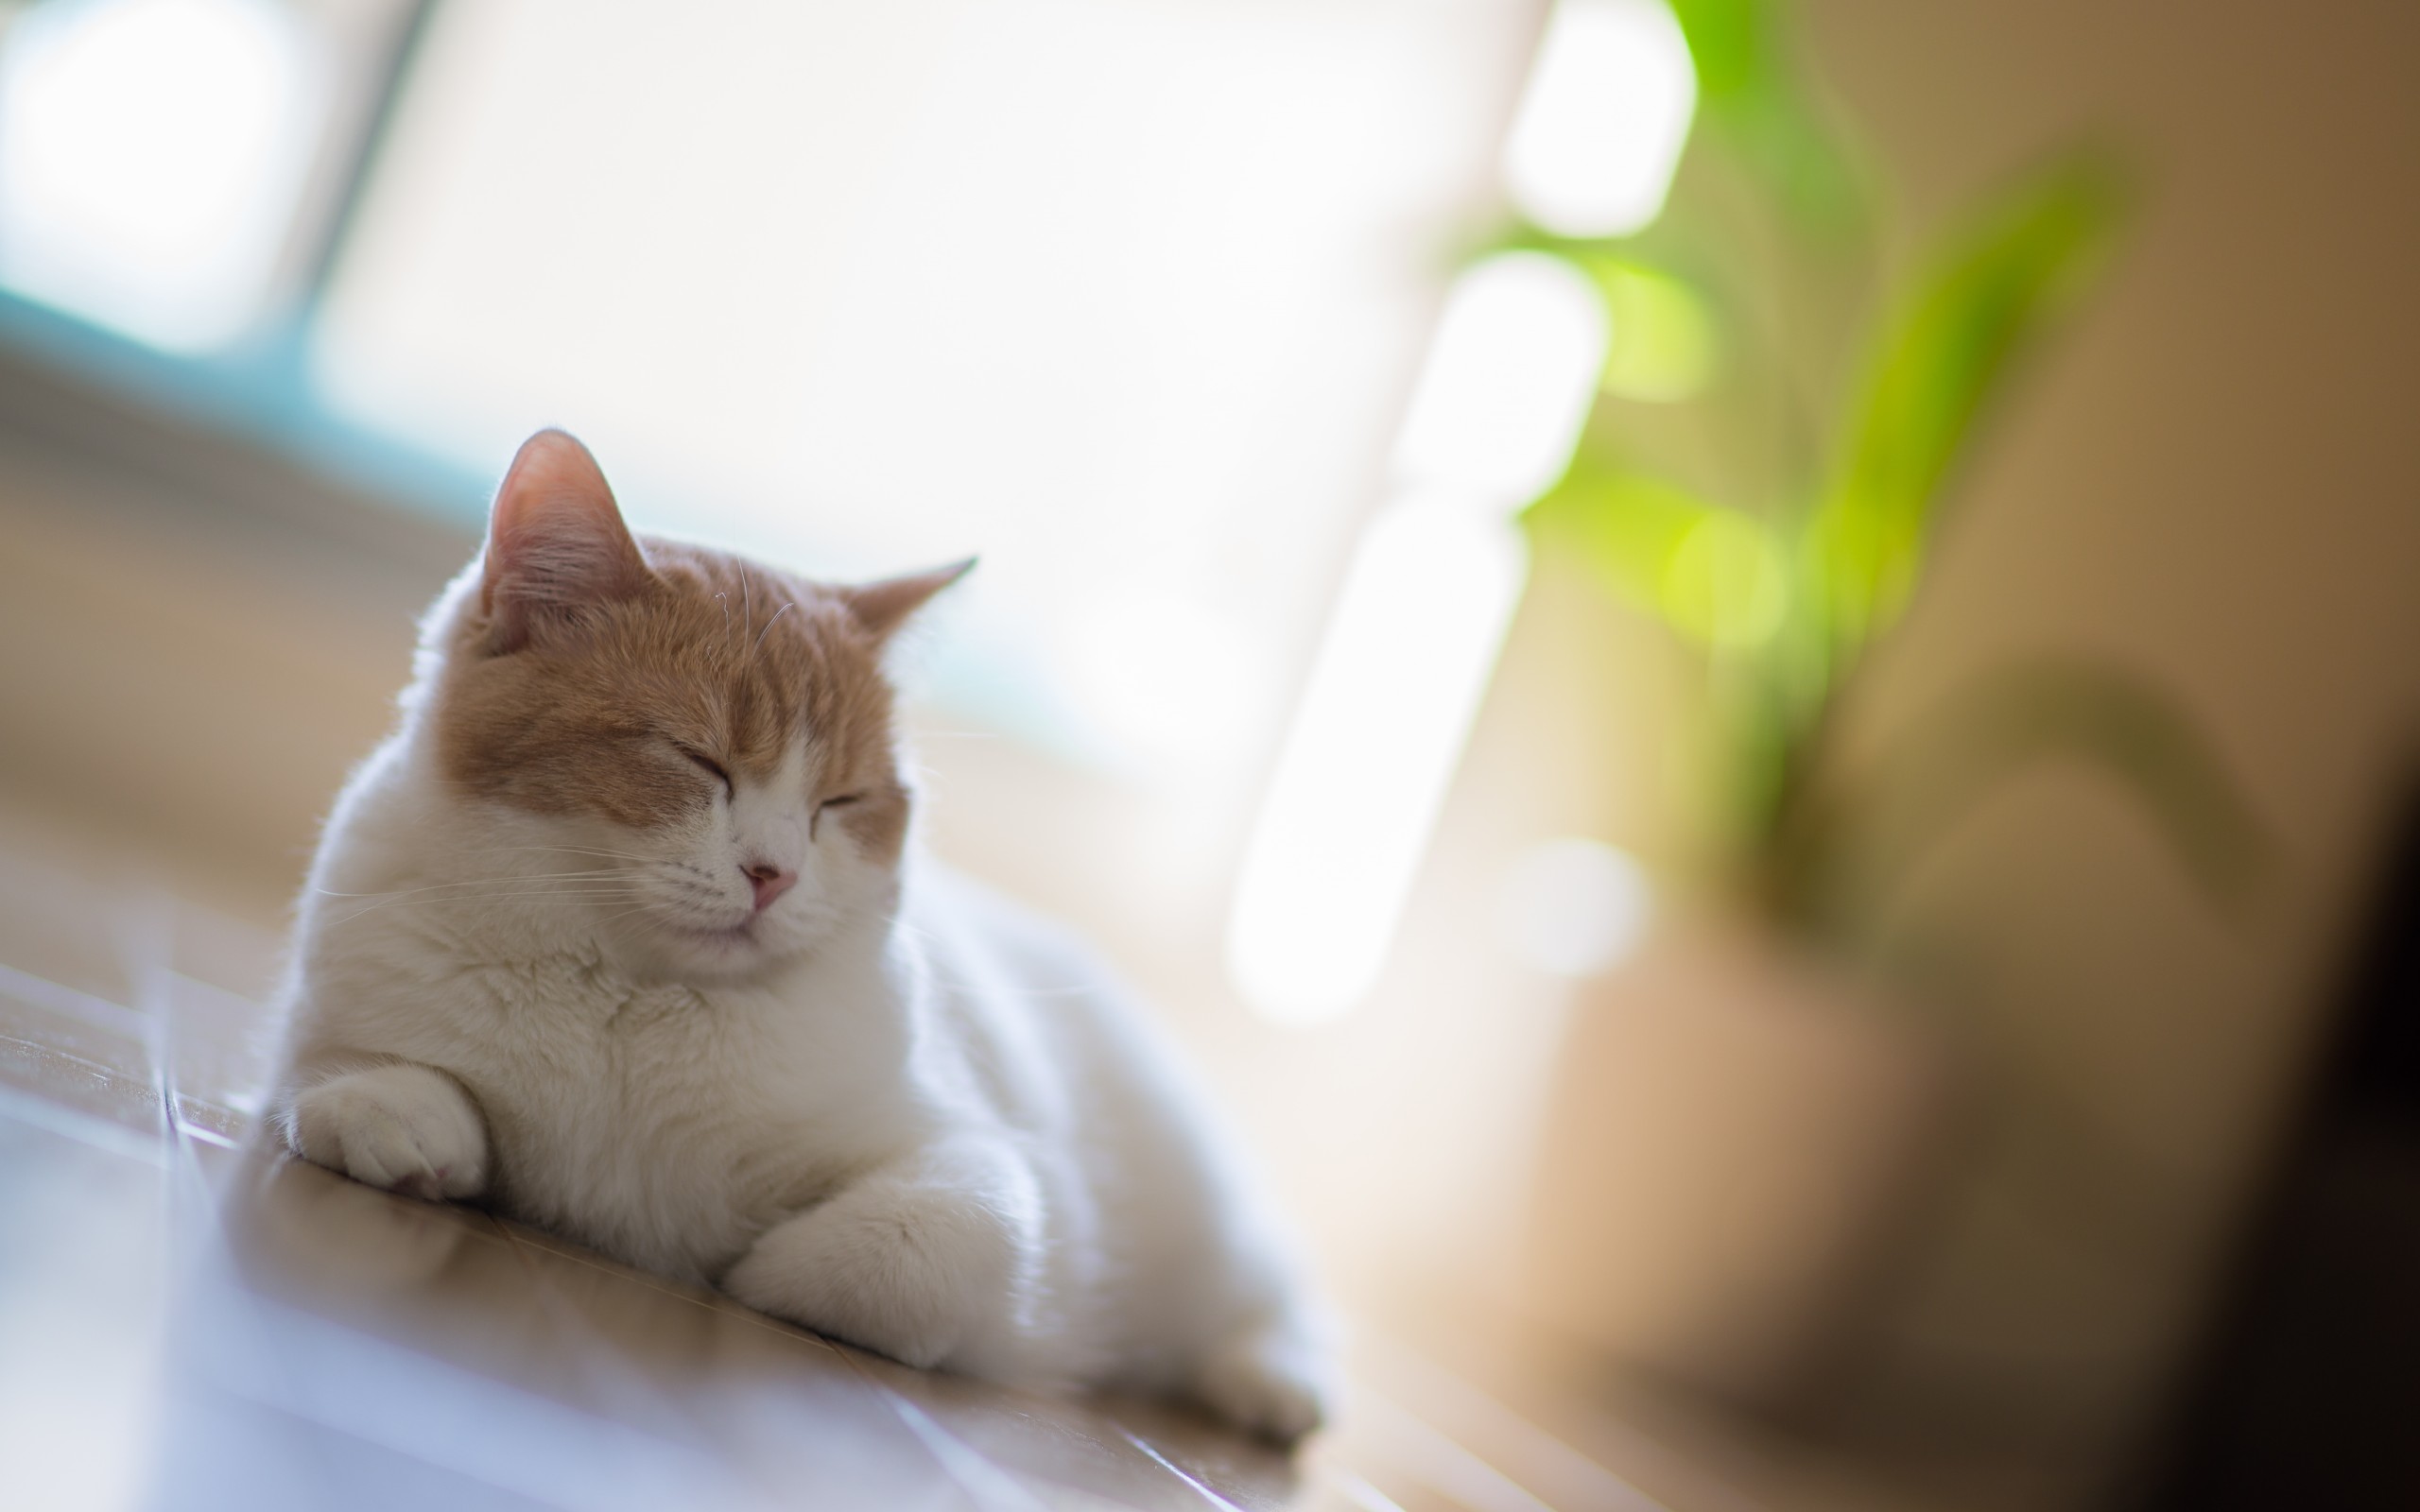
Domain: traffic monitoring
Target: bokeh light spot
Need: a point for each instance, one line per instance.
(1604, 119)
(1664, 338)
(1726, 583)
(151, 152)
(1573, 908)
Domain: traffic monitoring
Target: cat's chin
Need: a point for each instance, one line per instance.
(710, 956)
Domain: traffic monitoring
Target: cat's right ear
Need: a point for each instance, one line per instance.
(556, 541)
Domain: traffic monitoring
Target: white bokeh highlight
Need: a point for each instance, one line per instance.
(1600, 130)
(151, 156)
(1508, 380)
(1510, 375)
(1412, 639)
(1409, 650)
(1573, 908)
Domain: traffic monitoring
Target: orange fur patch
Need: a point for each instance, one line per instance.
(592, 710)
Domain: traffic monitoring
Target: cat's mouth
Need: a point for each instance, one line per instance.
(743, 933)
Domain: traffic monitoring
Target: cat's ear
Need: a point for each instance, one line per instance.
(883, 606)
(556, 541)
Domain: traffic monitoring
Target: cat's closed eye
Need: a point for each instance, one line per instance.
(843, 800)
(710, 767)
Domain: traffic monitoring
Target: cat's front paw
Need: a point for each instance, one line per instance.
(406, 1128)
(1269, 1379)
(932, 1263)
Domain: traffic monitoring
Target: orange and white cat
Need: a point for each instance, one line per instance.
(622, 933)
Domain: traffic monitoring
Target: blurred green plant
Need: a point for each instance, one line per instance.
(1835, 449)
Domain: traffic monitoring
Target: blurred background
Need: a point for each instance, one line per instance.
(1743, 673)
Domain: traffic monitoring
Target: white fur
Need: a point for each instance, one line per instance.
(893, 1109)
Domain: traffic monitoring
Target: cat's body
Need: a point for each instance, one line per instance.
(620, 935)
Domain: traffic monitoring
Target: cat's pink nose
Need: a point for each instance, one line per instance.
(769, 880)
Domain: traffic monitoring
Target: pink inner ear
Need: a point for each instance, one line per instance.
(555, 540)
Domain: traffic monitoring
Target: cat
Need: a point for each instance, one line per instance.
(622, 933)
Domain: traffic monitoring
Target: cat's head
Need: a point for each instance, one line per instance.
(696, 752)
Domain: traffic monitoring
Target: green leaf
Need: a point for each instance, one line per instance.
(1946, 355)
(1845, 849)
(1749, 89)
(1716, 575)
(1733, 46)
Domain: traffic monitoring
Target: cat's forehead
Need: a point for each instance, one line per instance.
(768, 657)
(744, 598)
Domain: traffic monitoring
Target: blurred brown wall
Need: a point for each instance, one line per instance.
(2214, 479)
(197, 641)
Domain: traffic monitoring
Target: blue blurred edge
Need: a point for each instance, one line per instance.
(259, 391)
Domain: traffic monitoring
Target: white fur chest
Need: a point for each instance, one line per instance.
(666, 1123)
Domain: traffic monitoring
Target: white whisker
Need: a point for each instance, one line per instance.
(600, 874)
(557, 894)
(574, 849)
(769, 627)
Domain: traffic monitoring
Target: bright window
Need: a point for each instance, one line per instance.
(1120, 295)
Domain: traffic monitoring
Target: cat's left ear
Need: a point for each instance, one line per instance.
(556, 543)
(883, 606)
